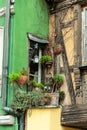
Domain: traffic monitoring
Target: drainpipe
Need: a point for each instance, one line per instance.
(5, 68)
(21, 123)
(5, 58)
(5, 55)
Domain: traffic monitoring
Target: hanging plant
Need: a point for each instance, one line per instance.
(46, 60)
(61, 96)
(58, 81)
(57, 49)
(20, 78)
(35, 85)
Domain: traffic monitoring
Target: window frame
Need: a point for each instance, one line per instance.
(84, 60)
(1, 56)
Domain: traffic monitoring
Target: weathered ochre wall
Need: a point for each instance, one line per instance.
(45, 119)
(68, 37)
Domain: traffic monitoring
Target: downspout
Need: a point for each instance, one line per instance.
(5, 58)
(5, 68)
(5, 55)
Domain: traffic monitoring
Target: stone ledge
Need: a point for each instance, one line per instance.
(6, 120)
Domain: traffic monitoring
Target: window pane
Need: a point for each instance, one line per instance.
(86, 17)
(85, 52)
(85, 35)
(1, 55)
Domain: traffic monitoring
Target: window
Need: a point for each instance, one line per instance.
(35, 66)
(84, 36)
(1, 54)
(36, 49)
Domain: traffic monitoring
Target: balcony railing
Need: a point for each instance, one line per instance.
(74, 116)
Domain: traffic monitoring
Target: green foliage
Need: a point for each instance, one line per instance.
(33, 82)
(48, 83)
(36, 84)
(36, 97)
(57, 45)
(45, 58)
(58, 78)
(14, 77)
(40, 85)
(22, 100)
(61, 96)
(47, 96)
(24, 72)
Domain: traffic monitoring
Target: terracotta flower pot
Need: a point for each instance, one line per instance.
(22, 80)
(59, 84)
(57, 49)
(49, 64)
(55, 99)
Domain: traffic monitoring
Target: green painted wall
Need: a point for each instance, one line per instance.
(2, 4)
(30, 16)
(15, 126)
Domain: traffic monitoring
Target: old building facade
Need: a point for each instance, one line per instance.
(30, 30)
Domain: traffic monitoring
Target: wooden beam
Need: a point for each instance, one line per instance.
(59, 38)
(74, 116)
(68, 4)
(67, 72)
(77, 38)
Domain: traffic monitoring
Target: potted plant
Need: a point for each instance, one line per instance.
(38, 98)
(54, 98)
(57, 49)
(22, 100)
(48, 87)
(47, 99)
(46, 60)
(14, 77)
(61, 96)
(58, 81)
(21, 78)
(35, 85)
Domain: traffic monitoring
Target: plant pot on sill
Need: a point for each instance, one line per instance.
(46, 60)
(22, 80)
(58, 81)
(49, 64)
(45, 101)
(57, 49)
(54, 99)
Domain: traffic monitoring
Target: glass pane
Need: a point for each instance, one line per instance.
(85, 52)
(1, 55)
(86, 17)
(85, 35)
